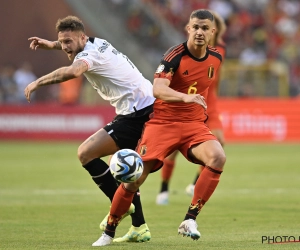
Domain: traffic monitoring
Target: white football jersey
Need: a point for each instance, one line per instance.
(115, 77)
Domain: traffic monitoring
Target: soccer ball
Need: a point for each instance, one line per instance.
(126, 165)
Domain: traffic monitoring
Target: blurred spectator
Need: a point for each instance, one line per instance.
(134, 21)
(246, 90)
(8, 87)
(253, 55)
(257, 30)
(23, 76)
(139, 24)
(69, 91)
(223, 7)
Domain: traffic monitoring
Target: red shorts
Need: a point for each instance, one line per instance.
(160, 138)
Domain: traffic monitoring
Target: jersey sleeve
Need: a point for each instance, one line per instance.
(88, 57)
(169, 63)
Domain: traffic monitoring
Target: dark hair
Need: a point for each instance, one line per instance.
(72, 23)
(202, 14)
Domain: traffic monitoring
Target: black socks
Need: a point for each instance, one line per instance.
(101, 175)
(138, 216)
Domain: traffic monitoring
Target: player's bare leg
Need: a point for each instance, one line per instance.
(90, 151)
(212, 155)
(190, 188)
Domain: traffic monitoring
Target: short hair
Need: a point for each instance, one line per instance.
(72, 23)
(220, 24)
(202, 14)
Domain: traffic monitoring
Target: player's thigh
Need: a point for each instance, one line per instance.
(98, 145)
(219, 134)
(159, 139)
(210, 152)
(172, 156)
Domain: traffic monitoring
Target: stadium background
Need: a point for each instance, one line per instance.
(47, 200)
(259, 90)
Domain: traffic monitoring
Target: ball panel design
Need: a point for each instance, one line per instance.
(126, 165)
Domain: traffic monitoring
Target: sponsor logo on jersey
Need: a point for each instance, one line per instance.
(81, 55)
(211, 72)
(160, 69)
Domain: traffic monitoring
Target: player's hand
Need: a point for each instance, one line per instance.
(30, 89)
(40, 43)
(196, 98)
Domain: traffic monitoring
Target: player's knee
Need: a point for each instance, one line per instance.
(217, 159)
(222, 159)
(82, 155)
(133, 186)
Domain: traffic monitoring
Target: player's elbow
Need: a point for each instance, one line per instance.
(157, 90)
(156, 93)
(76, 74)
(71, 73)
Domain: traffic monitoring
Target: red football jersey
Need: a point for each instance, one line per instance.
(189, 75)
(213, 88)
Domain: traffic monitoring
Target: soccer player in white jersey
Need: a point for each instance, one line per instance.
(117, 80)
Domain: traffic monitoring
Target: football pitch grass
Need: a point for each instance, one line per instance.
(48, 201)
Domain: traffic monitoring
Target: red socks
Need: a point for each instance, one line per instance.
(121, 201)
(167, 169)
(205, 185)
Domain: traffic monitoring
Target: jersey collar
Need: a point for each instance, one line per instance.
(193, 57)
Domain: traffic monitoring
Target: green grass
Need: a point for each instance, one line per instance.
(48, 201)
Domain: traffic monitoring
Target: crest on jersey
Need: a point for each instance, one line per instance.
(81, 55)
(160, 69)
(210, 72)
(143, 150)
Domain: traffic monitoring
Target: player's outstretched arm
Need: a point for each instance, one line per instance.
(60, 75)
(39, 43)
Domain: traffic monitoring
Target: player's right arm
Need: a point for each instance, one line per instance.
(60, 75)
(161, 90)
(40, 43)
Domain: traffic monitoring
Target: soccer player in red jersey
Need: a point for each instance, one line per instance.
(213, 121)
(180, 86)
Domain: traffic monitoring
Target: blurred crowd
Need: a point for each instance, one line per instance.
(13, 82)
(257, 31)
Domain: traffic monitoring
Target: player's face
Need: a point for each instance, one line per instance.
(200, 31)
(72, 42)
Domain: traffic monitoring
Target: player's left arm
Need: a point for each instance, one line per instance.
(60, 75)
